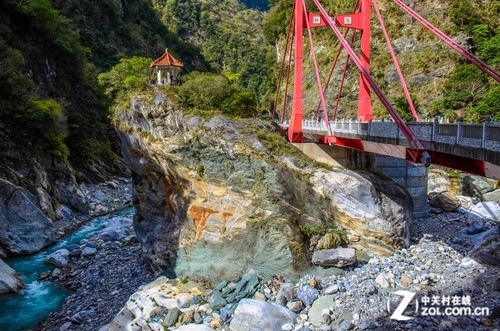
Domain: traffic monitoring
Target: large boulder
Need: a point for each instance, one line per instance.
(337, 257)
(476, 186)
(117, 229)
(444, 200)
(492, 196)
(315, 313)
(486, 210)
(206, 190)
(256, 315)
(24, 228)
(438, 181)
(376, 210)
(9, 280)
(488, 252)
(142, 307)
(59, 258)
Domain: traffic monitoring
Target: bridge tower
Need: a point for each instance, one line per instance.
(360, 21)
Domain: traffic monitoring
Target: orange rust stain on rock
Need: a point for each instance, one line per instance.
(199, 215)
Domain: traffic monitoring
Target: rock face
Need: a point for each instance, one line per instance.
(206, 190)
(373, 209)
(338, 257)
(9, 281)
(438, 181)
(24, 228)
(255, 315)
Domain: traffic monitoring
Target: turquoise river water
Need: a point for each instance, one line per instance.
(38, 299)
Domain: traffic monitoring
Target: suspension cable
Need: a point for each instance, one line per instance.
(452, 43)
(395, 60)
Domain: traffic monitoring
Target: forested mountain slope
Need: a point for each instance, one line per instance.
(229, 35)
(51, 53)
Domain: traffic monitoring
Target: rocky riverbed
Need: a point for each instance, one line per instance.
(103, 271)
(440, 262)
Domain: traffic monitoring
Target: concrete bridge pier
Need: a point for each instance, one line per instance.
(411, 176)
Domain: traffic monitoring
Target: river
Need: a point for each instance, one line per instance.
(39, 298)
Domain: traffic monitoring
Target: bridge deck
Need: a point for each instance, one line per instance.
(471, 147)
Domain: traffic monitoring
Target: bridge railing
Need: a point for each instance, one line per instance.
(480, 135)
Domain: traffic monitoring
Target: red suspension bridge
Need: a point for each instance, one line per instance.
(473, 148)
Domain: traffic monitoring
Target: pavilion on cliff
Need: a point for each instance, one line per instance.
(168, 69)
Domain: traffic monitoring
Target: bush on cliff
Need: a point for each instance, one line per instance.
(127, 76)
(208, 91)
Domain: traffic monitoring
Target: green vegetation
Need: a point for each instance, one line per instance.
(229, 37)
(321, 230)
(468, 88)
(209, 91)
(111, 30)
(46, 120)
(55, 107)
(51, 52)
(403, 107)
(128, 77)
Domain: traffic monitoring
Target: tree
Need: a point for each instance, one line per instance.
(128, 75)
(205, 90)
(403, 107)
(465, 87)
(489, 105)
(241, 103)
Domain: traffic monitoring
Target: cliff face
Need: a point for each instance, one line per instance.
(213, 200)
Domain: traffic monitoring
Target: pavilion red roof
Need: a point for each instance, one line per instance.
(167, 60)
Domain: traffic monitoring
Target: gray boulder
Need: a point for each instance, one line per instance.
(444, 200)
(256, 315)
(88, 251)
(316, 312)
(438, 181)
(117, 229)
(492, 196)
(307, 294)
(476, 186)
(24, 228)
(9, 281)
(71, 195)
(487, 252)
(59, 258)
(337, 257)
(485, 210)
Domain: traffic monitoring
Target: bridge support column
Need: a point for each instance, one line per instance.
(411, 176)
